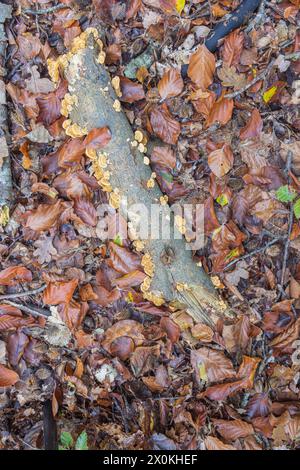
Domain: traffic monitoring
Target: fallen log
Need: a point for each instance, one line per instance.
(96, 105)
(5, 171)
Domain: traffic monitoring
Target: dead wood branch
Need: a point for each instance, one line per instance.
(91, 84)
(5, 171)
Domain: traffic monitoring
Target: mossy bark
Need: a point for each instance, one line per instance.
(91, 83)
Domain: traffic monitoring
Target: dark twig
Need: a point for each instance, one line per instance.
(259, 77)
(290, 226)
(254, 252)
(44, 11)
(29, 310)
(23, 294)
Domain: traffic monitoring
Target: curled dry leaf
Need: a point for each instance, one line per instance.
(97, 138)
(202, 332)
(131, 91)
(244, 379)
(59, 292)
(124, 328)
(201, 68)
(164, 125)
(171, 84)
(220, 161)
(171, 328)
(8, 377)
(253, 127)
(14, 275)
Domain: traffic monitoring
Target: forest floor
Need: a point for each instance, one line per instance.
(84, 352)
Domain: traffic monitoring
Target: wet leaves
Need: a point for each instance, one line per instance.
(220, 161)
(15, 275)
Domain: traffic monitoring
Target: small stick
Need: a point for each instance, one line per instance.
(291, 218)
(254, 252)
(23, 294)
(261, 76)
(258, 18)
(60, 6)
(29, 310)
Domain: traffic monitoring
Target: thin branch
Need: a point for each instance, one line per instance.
(23, 294)
(44, 11)
(290, 227)
(29, 310)
(254, 252)
(258, 17)
(259, 77)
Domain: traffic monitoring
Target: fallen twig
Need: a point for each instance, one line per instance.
(259, 77)
(44, 11)
(290, 226)
(23, 294)
(258, 18)
(29, 310)
(254, 252)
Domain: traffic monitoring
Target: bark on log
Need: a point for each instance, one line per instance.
(90, 82)
(5, 171)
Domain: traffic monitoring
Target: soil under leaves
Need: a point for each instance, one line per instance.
(131, 374)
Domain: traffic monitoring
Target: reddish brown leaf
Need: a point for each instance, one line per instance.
(129, 328)
(233, 47)
(213, 443)
(220, 161)
(122, 347)
(97, 138)
(216, 366)
(50, 104)
(122, 260)
(164, 125)
(221, 112)
(143, 359)
(131, 91)
(59, 292)
(70, 152)
(44, 217)
(86, 211)
(233, 429)
(132, 279)
(171, 328)
(113, 54)
(7, 377)
(163, 156)
(244, 380)
(253, 127)
(72, 313)
(171, 84)
(201, 68)
(258, 405)
(14, 275)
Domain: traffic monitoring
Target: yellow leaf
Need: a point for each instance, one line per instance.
(269, 94)
(4, 215)
(222, 200)
(180, 5)
(202, 372)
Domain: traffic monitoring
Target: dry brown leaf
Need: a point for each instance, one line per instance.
(171, 84)
(201, 68)
(220, 161)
